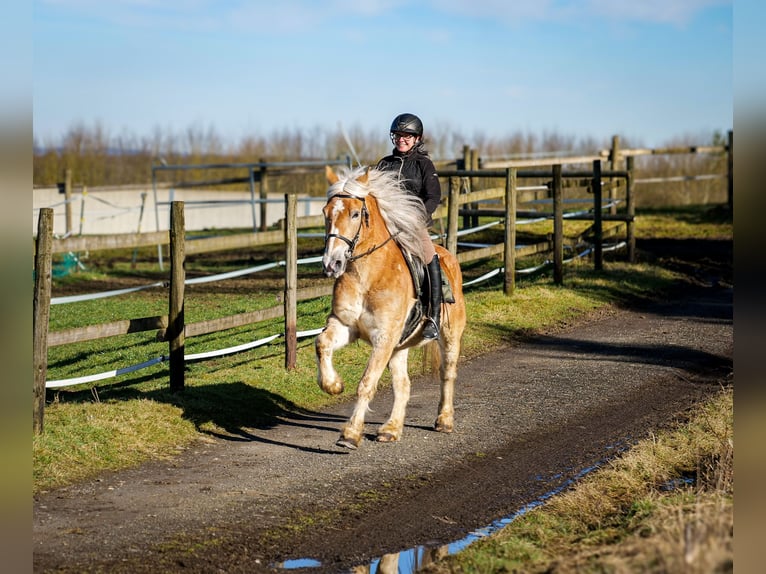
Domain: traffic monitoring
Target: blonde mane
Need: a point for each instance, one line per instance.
(402, 211)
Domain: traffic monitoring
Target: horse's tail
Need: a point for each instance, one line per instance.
(432, 358)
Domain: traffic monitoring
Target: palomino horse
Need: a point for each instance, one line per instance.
(370, 220)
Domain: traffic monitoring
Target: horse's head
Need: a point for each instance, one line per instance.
(345, 214)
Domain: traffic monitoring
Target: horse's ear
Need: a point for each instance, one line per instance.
(332, 177)
(364, 177)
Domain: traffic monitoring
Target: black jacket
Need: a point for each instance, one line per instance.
(418, 174)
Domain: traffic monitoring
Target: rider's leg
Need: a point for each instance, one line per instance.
(433, 268)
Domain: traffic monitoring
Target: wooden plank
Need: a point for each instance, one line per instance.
(233, 321)
(492, 250)
(152, 238)
(534, 248)
(673, 150)
(305, 221)
(104, 330)
(546, 214)
(539, 162)
(250, 317)
(480, 253)
(231, 242)
(307, 293)
(100, 242)
(481, 195)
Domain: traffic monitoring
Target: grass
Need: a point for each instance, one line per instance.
(664, 506)
(123, 421)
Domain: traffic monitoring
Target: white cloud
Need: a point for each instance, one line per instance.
(677, 12)
(517, 12)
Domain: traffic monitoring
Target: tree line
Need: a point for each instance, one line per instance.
(98, 157)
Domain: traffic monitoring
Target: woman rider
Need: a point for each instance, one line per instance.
(418, 174)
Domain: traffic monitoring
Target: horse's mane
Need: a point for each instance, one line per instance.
(402, 211)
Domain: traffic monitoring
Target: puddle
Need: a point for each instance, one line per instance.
(412, 560)
(685, 480)
(298, 563)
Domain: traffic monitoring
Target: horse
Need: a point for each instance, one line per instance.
(371, 231)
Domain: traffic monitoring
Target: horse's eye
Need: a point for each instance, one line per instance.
(355, 214)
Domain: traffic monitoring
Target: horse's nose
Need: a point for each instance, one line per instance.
(331, 267)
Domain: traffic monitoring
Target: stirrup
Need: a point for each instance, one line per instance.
(431, 329)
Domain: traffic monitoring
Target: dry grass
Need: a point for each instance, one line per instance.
(665, 506)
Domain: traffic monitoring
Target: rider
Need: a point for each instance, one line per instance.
(418, 174)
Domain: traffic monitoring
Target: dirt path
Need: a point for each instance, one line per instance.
(528, 418)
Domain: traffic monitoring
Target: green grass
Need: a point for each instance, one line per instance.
(712, 222)
(119, 422)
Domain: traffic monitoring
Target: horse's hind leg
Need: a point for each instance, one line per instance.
(334, 336)
(450, 349)
(391, 430)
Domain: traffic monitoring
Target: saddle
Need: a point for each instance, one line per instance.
(422, 295)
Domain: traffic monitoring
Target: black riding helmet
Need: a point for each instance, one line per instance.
(407, 124)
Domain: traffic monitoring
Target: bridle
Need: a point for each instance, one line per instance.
(350, 257)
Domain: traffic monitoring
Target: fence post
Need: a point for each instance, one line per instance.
(251, 177)
(509, 283)
(175, 332)
(157, 216)
(598, 229)
(631, 208)
(558, 227)
(467, 167)
(82, 208)
(68, 201)
(452, 214)
(138, 229)
(730, 172)
(41, 314)
(291, 280)
(615, 163)
(264, 191)
(474, 185)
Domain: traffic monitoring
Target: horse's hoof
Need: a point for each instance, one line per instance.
(442, 427)
(386, 437)
(332, 388)
(347, 443)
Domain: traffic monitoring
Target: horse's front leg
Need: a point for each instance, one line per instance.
(334, 336)
(352, 432)
(391, 430)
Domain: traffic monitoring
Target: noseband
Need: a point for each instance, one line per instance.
(352, 242)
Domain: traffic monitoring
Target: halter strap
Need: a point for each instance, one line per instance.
(365, 221)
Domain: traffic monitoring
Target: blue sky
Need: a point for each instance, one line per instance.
(648, 70)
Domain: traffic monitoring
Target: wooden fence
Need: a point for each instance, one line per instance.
(173, 329)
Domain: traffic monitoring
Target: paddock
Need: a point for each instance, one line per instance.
(172, 329)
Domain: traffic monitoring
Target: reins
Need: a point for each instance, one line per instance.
(352, 242)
